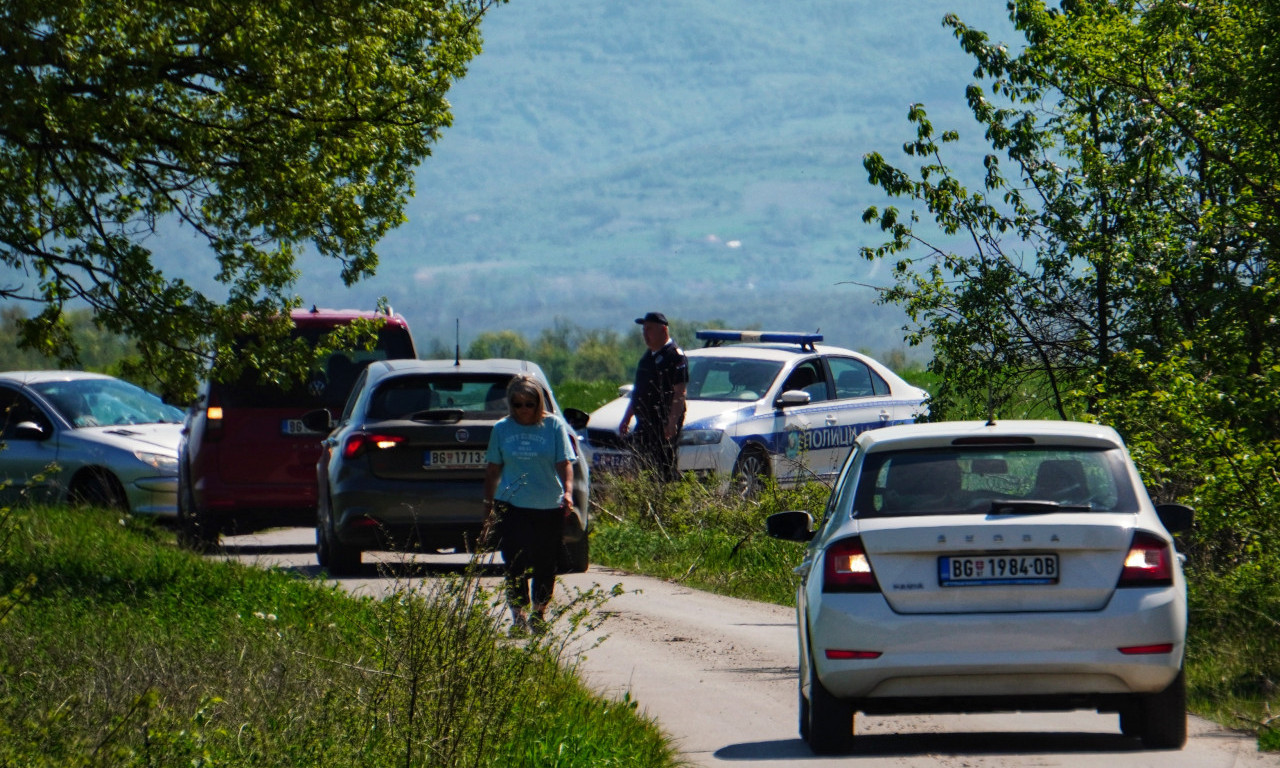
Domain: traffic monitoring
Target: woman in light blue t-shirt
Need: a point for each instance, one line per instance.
(529, 483)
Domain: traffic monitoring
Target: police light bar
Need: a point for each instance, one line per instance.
(715, 338)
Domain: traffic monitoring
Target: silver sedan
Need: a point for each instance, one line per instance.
(76, 437)
(982, 566)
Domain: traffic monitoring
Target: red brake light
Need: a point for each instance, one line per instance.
(1149, 562)
(361, 442)
(843, 655)
(845, 568)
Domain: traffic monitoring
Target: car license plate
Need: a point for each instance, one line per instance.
(987, 570)
(459, 459)
(295, 427)
(610, 461)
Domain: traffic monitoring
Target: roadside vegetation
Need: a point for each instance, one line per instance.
(693, 534)
(119, 649)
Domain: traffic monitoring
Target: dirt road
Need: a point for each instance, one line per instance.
(719, 676)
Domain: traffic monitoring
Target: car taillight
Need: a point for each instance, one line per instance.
(213, 422)
(361, 442)
(845, 568)
(1149, 562)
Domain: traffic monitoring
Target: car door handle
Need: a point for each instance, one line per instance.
(831, 420)
(884, 415)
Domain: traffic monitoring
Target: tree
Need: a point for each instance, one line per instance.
(266, 129)
(1141, 213)
(508, 344)
(1125, 270)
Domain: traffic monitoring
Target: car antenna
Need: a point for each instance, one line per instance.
(991, 405)
(457, 341)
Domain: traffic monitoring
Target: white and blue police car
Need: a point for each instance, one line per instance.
(769, 404)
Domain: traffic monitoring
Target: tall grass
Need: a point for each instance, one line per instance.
(698, 534)
(118, 649)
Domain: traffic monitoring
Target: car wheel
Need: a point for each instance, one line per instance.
(335, 557)
(804, 717)
(1131, 720)
(750, 471)
(830, 720)
(575, 556)
(1164, 716)
(197, 530)
(98, 488)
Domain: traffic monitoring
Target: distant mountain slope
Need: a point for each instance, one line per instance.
(698, 157)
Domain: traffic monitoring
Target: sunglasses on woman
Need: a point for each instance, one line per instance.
(523, 404)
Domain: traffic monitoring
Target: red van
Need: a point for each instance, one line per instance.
(246, 462)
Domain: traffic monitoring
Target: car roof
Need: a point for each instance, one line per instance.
(778, 352)
(491, 365)
(39, 377)
(944, 434)
(318, 316)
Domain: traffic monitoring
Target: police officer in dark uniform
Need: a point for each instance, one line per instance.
(657, 400)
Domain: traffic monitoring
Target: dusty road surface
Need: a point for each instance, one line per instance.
(719, 676)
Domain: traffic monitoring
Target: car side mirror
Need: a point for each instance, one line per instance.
(792, 397)
(576, 418)
(319, 420)
(793, 525)
(1175, 518)
(29, 430)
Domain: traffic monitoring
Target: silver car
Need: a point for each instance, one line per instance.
(75, 437)
(981, 566)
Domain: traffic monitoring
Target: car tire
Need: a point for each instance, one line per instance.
(804, 717)
(575, 556)
(197, 531)
(750, 471)
(335, 557)
(1131, 720)
(98, 488)
(830, 720)
(1164, 716)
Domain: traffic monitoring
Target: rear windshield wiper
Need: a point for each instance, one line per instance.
(1034, 507)
(447, 415)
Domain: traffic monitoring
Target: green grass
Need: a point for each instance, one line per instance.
(689, 533)
(118, 649)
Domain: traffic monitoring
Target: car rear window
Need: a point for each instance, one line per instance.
(996, 480)
(328, 387)
(476, 395)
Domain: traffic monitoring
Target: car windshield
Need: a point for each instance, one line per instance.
(997, 480)
(477, 395)
(728, 378)
(104, 402)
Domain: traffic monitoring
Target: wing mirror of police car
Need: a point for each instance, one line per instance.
(793, 525)
(319, 420)
(792, 397)
(576, 418)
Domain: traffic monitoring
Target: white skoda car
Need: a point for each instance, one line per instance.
(769, 404)
(971, 567)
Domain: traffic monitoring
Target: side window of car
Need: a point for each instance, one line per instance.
(841, 490)
(808, 377)
(854, 378)
(16, 408)
(356, 389)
